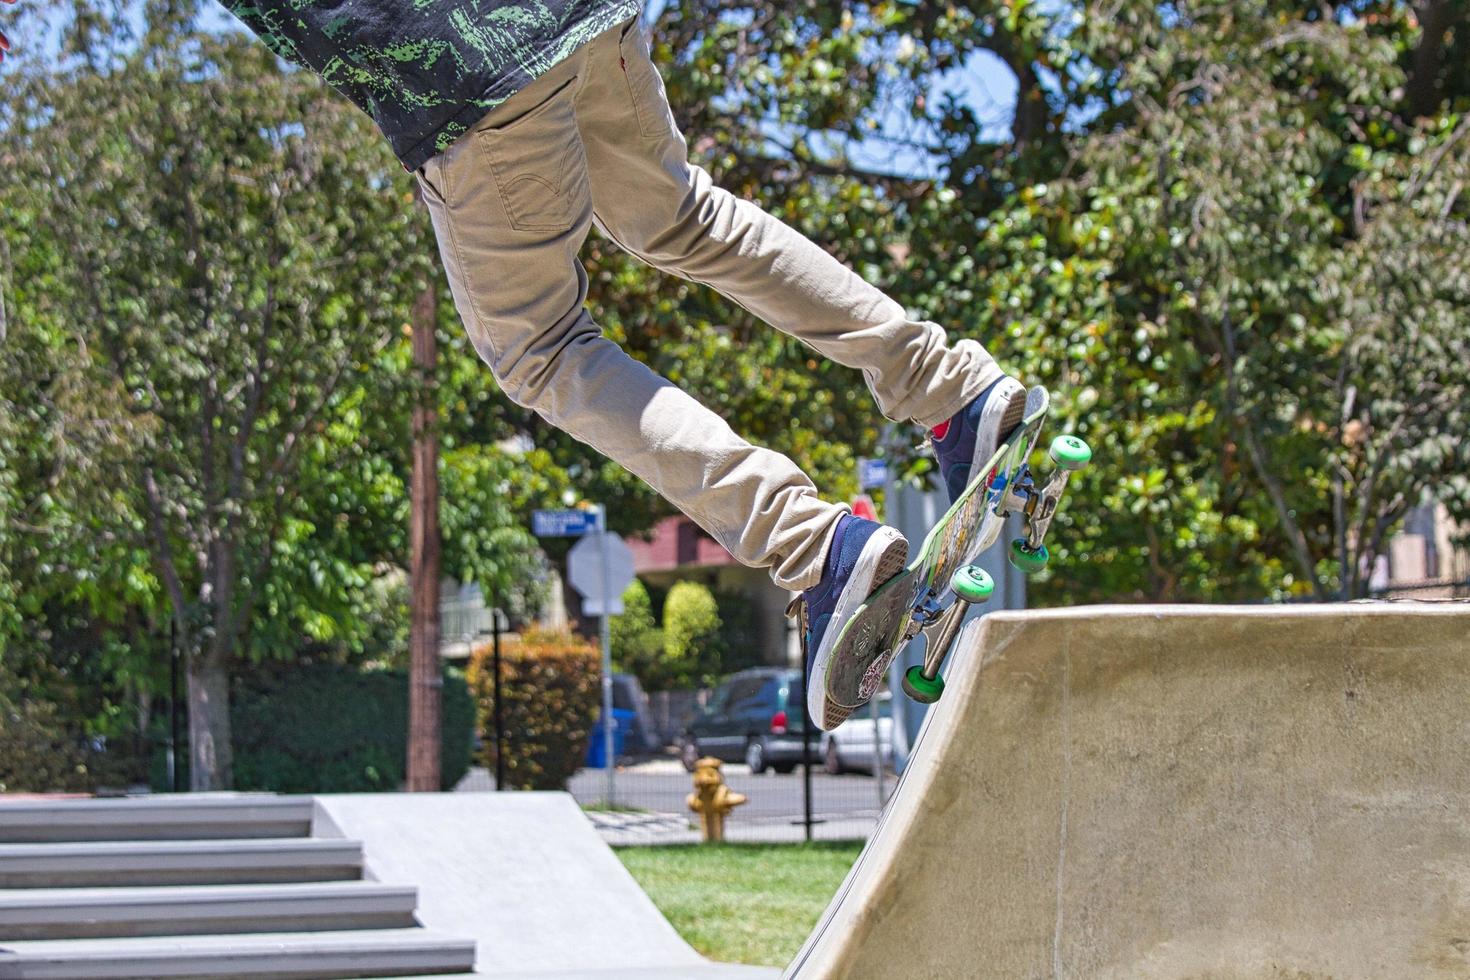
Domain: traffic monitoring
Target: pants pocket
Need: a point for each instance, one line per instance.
(645, 85)
(539, 164)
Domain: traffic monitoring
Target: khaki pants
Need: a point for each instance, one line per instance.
(593, 142)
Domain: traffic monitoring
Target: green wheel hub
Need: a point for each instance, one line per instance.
(1069, 452)
(921, 688)
(1028, 561)
(972, 584)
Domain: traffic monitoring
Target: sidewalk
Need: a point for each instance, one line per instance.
(665, 826)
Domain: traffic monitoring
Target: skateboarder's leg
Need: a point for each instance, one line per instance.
(652, 201)
(511, 206)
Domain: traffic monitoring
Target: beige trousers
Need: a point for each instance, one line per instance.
(593, 142)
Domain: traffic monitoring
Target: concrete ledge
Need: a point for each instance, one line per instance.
(222, 816)
(207, 862)
(373, 953)
(75, 913)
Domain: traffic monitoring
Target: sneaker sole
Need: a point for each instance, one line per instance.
(884, 556)
(1007, 417)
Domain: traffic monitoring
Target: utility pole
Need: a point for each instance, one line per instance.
(425, 677)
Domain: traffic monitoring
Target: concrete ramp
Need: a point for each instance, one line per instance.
(1172, 792)
(526, 876)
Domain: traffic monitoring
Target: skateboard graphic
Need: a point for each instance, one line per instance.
(933, 593)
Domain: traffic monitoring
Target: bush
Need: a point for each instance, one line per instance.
(637, 642)
(691, 630)
(37, 753)
(550, 682)
(325, 728)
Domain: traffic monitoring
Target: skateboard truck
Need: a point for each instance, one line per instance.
(1039, 506)
(970, 584)
(973, 584)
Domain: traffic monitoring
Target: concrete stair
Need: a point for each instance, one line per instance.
(71, 913)
(200, 886)
(222, 816)
(186, 862)
(369, 953)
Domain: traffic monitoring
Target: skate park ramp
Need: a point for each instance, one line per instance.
(524, 875)
(1172, 792)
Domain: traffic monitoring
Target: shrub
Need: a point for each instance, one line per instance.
(691, 630)
(325, 728)
(550, 682)
(37, 753)
(637, 642)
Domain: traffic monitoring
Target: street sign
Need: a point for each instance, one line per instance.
(562, 523)
(600, 592)
(872, 473)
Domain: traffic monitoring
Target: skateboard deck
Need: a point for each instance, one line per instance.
(922, 594)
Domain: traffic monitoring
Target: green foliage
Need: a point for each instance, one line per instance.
(328, 728)
(637, 642)
(1231, 236)
(37, 751)
(550, 683)
(205, 384)
(713, 634)
(691, 629)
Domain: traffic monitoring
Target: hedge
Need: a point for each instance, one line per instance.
(551, 683)
(324, 728)
(37, 752)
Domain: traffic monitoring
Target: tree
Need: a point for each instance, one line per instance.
(424, 668)
(231, 237)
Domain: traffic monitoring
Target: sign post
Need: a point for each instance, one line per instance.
(599, 567)
(607, 680)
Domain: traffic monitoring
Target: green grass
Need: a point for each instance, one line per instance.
(602, 806)
(742, 903)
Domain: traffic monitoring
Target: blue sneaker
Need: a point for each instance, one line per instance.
(864, 554)
(969, 439)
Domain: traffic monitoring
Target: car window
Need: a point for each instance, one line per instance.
(719, 700)
(745, 694)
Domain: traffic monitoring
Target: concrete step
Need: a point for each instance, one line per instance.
(371, 953)
(78, 913)
(202, 817)
(189, 862)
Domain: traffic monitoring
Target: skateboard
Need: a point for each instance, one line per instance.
(933, 593)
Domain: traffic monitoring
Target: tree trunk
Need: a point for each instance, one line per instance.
(1029, 122)
(425, 679)
(1423, 88)
(211, 757)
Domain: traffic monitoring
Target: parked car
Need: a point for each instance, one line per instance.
(628, 695)
(855, 743)
(754, 717)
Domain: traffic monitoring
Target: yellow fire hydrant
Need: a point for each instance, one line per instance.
(711, 798)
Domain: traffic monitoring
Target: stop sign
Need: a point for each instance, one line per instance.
(584, 572)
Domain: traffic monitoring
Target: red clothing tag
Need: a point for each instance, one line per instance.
(941, 429)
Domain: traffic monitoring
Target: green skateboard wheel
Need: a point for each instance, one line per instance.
(1069, 452)
(972, 584)
(921, 688)
(1028, 561)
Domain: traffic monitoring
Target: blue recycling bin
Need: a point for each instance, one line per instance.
(622, 724)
